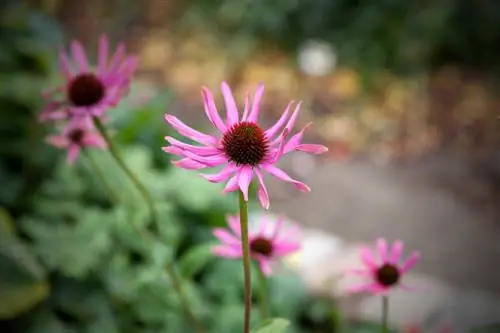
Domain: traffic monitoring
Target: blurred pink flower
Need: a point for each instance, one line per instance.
(89, 91)
(77, 135)
(243, 148)
(270, 241)
(384, 272)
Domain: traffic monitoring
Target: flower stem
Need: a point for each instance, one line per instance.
(385, 314)
(98, 172)
(264, 307)
(116, 155)
(246, 261)
(170, 269)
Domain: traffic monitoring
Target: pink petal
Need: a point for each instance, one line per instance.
(222, 175)
(281, 147)
(232, 185)
(245, 176)
(382, 249)
(234, 224)
(231, 108)
(103, 53)
(265, 267)
(73, 152)
(366, 257)
(79, 56)
(91, 139)
(291, 122)
(225, 237)
(271, 132)
(189, 164)
(211, 110)
(58, 141)
(397, 249)
(410, 262)
(247, 107)
(173, 150)
(278, 173)
(311, 149)
(262, 191)
(65, 66)
(358, 271)
(254, 112)
(296, 139)
(292, 232)
(278, 227)
(117, 58)
(202, 151)
(366, 287)
(226, 251)
(188, 132)
(210, 161)
(284, 249)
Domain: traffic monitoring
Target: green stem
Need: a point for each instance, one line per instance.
(246, 261)
(116, 155)
(102, 179)
(264, 307)
(170, 269)
(385, 314)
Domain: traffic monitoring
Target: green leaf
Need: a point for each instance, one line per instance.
(6, 223)
(276, 325)
(195, 259)
(18, 299)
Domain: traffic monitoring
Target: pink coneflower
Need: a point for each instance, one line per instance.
(384, 272)
(77, 135)
(243, 148)
(270, 241)
(89, 91)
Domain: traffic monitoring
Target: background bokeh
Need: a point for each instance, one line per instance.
(404, 94)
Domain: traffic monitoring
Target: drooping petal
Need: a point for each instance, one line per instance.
(227, 251)
(245, 176)
(234, 224)
(225, 237)
(231, 185)
(223, 175)
(202, 151)
(265, 267)
(296, 139)
(93, 139)
(211, 110)
(311, 149)
(73, 152)
(410, 262)
(58, 141)
(188, 132)
(210, 161)
(280, 174)
(189, 164)
(254, 112)
(262, 191)
(231, 108)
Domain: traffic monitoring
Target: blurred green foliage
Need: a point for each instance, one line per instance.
(403, 36)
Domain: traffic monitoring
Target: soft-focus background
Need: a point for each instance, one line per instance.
(404, 94)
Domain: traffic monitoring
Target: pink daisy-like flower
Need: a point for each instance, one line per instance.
(270, 241)
(77, 135)
(243, 148)
(89, 91)
(383, 271)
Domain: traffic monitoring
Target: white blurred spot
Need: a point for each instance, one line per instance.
(316, 58)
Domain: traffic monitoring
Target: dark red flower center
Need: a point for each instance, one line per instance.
(85, 90)
(76, 135)
(245, 143)
(262, 246)
(388, 275)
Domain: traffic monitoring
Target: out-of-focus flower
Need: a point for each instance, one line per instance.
(89, 91)
(316, 58)
(77, 135)
(243, 148)
(269, 241)
(384, 271)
